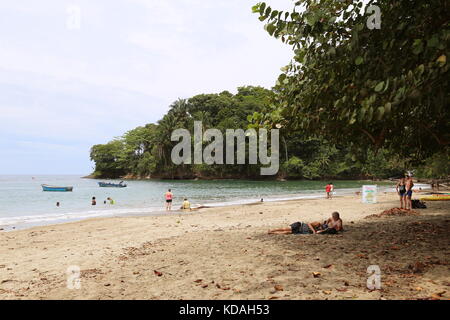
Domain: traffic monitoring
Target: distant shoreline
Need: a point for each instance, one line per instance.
(135, 178)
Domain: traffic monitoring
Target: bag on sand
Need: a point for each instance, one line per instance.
(329, 231)
(417, 204)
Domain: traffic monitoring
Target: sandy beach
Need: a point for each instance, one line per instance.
(226, 253)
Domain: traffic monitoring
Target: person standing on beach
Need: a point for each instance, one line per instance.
(94, 202)
(409, 184)
(401, 190)
(169, 198)
(329, 190)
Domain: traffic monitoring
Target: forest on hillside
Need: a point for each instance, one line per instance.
(358, 100)
(145, 152)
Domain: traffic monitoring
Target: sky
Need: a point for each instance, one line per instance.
(78, 73)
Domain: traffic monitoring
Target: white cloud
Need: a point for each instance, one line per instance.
(125, 64)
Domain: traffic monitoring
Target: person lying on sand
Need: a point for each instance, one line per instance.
(330, 226)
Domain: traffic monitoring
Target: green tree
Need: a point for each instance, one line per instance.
(375, 88)
(437, 166)
(108, 159)
(146, 151)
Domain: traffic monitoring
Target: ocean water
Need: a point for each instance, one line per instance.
(24, 204)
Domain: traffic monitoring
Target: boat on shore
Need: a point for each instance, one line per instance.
(436, 197)
(112, 185)
(46, 187)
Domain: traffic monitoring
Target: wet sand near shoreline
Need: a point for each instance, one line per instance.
(226, 253)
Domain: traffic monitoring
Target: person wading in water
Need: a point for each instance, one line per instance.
(169, 198)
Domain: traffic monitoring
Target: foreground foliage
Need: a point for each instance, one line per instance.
(375, 88)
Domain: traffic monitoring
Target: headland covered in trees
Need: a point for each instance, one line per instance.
(358, 100)
(145, 152)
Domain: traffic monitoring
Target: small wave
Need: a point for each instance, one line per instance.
(60, 217)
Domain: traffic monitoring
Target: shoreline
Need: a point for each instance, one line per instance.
(228, 247)
(68, 217)
(230, 205)
(162, 212)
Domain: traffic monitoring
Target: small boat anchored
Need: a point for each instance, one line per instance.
(112, 185)
(46, 187)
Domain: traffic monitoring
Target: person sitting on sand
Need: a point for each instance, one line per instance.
(332, 225)
(186, 205)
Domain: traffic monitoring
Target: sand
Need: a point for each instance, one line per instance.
(226, 253)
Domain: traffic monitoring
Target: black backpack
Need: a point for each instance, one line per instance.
(417, 204)
(329, 231)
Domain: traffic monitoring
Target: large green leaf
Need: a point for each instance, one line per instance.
(379, 87)
(359, 60)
